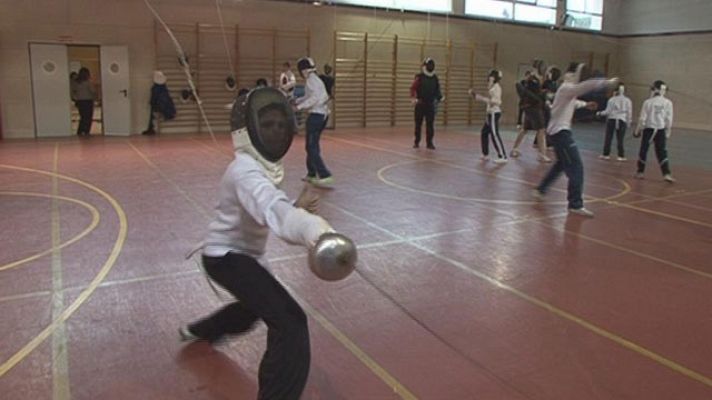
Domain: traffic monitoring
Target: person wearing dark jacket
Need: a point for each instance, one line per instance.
(532, 101)
(161, 102)
(425, 92)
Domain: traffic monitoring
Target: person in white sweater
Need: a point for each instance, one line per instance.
(316, 102)
(568, 159)
(250, 205)
(619, 113)
(655, 122)
(494, 112)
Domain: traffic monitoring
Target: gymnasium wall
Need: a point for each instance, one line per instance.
(683, 62)
(628, 17)
(128, 22)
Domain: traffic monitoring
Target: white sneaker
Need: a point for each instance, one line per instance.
(515, 153)
(543, 158)
(621, 159)
(538, 195)
(602, 157)
(639, 175)
(669, 178)
(484, 158)
(323, 182)
(581, 211)
(186, 335)
(500, 160)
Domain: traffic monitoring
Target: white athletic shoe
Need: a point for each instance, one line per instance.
(621, 159)
(581, 211)
(602, 157)
(543, 158)
(515, 153)
(500, 160)
(323, 182)
(538, 195)
(639, 175)
(484, 158)
(669, 178)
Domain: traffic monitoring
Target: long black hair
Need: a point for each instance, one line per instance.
(83, 75)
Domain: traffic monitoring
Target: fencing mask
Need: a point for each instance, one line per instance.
(269, 120)
(429, 66)
(305, 65)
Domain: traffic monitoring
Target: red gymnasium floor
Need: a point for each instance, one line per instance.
(466, 289)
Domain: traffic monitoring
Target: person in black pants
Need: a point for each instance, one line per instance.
(250, 206)
(655, 122)
(424, 92)
(84, 96)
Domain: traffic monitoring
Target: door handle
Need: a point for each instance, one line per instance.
(125, 92)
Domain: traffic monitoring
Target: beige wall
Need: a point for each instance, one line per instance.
(128, 22)
(683, 62)
(657, 16)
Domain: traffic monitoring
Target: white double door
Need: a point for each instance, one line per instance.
(50, 90)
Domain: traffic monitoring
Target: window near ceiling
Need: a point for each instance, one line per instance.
(412, 5)
(536, 11)
(584, 14)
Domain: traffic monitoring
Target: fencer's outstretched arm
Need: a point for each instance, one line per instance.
(581, 104)
(581, 88)
(495, 98)
(608, 110)
(270, 206)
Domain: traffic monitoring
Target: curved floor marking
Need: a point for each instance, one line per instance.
(95, 218)
(381, 176)
(84, 295)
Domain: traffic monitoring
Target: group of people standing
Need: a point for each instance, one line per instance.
(546, 105)
(251, 203)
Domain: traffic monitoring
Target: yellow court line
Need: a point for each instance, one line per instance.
(672, 196)
(549, 307)
(609, 200)
(381, 176)
(627, 250)
(185, 195)
(353, 348)
(103, 272)
(94, 222)
(361, 355)
(60, 365)
(459, 166)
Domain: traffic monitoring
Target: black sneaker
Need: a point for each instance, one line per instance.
(431, 147)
